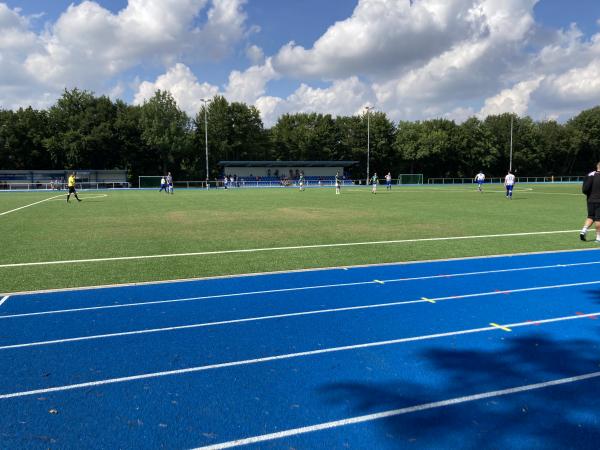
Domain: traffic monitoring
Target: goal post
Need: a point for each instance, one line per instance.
(410, 178)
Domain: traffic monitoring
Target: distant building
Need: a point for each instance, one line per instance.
(285, 169)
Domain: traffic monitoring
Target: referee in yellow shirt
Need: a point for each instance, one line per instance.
(71, 185)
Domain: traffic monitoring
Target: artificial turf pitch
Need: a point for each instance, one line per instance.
(113, 224)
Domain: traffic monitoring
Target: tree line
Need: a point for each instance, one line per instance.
(82, 130)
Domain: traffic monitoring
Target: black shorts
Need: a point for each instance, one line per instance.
(594, 211)
(71, 189)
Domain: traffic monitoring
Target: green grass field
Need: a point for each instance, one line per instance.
(136, 223)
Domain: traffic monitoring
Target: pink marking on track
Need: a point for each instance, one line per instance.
(579, 313)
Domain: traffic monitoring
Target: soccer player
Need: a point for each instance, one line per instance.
(479, 179)
(509, 183)
(169, 180)
(301, 181)
(337, 183)
(388, 181)
(71, 185)
(163, 184)
(591, 189)
(374, 181)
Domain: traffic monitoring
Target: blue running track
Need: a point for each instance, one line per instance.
(500, 352)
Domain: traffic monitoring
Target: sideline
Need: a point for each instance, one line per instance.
(313, 287)
(31, 204)
(271, 249)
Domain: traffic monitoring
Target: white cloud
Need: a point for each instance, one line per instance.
(182, 84)
(255, 54)
(89, 47)
(514, 100)
(247, 86)
(342, 97)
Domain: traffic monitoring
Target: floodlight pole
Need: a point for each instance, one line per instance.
(511, 145)
(206, 101)
(368, 108)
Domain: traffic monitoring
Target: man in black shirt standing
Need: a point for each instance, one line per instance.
(591, 189)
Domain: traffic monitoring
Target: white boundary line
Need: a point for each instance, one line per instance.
(398, 412)
(284, 357)
(3, 299)
(270, 249)
(87, 197)
(31, 204)
(292, 289)
(281, 272)
(295, 314)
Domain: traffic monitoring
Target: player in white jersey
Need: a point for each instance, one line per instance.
(301, 181)
(169, 183)
(388, 181)
(337, 183)
(509, 183)
(479, 179)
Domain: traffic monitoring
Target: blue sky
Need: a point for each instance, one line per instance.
(450, 59)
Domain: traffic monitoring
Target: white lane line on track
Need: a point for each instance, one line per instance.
(301, 288)
(271, 249)
(398, 412)
(284, 357)
(288, 315)
(3, 299)
(31, 204)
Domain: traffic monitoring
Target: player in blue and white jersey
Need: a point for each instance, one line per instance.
(509, 183)
(169, 183)
(337, 183)
(480, 179)
(388, 181)
(301, 181)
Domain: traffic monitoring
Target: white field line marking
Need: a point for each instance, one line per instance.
(398, 412)
(31, 204)
(3, 299)
(296, 314)
(312, 269)
(270, 249)
(302, 288)
(284, 357)
(87, 197)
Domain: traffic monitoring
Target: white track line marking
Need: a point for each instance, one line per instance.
(302, 288)
(3, 299)
(296, 314)
(285, 356)
(398, 412)
(31, 204)
(271, 249)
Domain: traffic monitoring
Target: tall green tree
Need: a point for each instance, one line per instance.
(164, 129)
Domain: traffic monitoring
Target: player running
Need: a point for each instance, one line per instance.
(337, 183)
(163, 185)
(374, 181)
(71, 185)
(388, 181)
(509, 183)
(479, 179)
